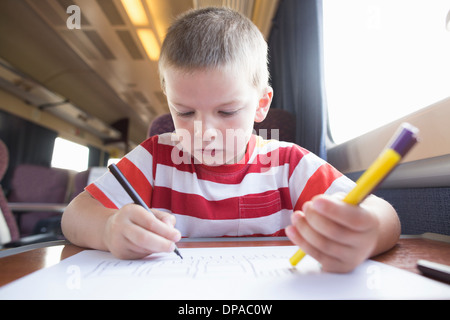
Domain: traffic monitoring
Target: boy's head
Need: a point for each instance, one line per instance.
(216, 38)
(213, 70)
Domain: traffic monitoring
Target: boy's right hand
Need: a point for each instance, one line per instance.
(133, 233)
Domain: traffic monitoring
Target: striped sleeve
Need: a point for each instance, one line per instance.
(312, 176)
(137, 168)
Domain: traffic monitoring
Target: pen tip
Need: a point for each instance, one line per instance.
(178, 253)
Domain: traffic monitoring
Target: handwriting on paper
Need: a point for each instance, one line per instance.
(160, 265)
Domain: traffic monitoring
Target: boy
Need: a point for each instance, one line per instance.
(213, 176)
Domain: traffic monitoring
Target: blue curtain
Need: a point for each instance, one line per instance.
(296, 67)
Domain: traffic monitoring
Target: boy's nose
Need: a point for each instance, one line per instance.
(205, 130)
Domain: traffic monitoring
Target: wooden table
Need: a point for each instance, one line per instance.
(403, 255)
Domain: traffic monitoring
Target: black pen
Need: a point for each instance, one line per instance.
(132, 193)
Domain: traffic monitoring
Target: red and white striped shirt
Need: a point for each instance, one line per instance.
(252, 198)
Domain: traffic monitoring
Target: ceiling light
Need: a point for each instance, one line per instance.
(136, 12)
(161, 15)
(150, 43)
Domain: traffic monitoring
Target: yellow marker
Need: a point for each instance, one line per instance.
(297, 257)
(377, 172)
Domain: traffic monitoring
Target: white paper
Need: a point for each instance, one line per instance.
(218, 273)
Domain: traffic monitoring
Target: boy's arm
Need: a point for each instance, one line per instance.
(84, 220)
(130, 232)
(389, 227)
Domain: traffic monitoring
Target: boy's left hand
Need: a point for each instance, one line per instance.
(338, 235)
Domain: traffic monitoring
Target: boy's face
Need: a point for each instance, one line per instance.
(214, 112)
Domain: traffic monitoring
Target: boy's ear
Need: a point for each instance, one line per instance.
(264, 104)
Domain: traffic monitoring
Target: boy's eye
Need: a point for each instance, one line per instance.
(185, 114)
(227, 113)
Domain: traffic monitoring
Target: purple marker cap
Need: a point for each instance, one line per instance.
(405, 139)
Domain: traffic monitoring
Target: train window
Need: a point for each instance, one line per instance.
(383, 60)
(70, 155)
(113, 160)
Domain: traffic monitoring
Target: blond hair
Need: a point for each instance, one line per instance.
(215, 38)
